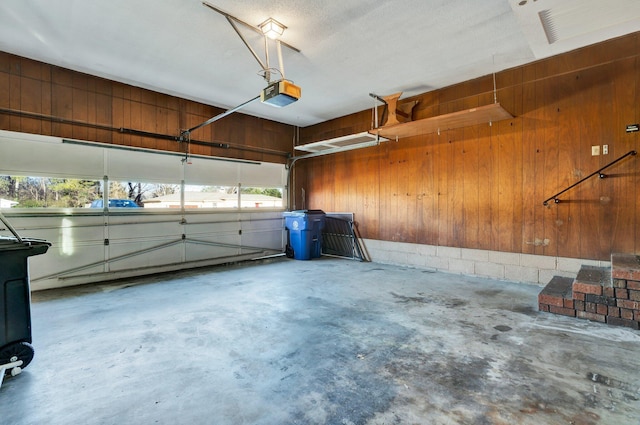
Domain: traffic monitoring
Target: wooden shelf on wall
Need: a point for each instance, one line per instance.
(466, 118)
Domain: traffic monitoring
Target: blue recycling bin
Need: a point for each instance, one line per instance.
(305, 233)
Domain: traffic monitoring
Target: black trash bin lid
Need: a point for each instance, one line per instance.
(37, 246)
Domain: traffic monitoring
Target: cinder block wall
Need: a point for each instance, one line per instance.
(523, 268)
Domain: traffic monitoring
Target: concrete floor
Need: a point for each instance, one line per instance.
(326, 341)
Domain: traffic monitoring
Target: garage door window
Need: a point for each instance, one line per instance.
(126, 194)
(261, 197)
(48, 192)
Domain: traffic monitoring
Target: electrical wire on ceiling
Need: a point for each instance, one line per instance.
(265, 73)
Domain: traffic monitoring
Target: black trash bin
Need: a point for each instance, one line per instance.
(15, 297)
(305, 233)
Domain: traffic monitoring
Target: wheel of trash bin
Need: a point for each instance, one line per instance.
(289, 251)
(16, 351)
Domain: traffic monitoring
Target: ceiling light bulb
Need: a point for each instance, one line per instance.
(272, 28)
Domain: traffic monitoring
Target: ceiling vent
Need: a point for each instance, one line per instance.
(570, 19)
(553, 27)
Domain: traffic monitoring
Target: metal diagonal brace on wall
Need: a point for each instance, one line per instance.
(251, 249)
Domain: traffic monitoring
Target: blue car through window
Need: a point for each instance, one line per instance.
(115, 203)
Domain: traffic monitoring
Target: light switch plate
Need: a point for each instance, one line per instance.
(595, 150)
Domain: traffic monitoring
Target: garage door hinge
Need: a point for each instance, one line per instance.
(106, 242)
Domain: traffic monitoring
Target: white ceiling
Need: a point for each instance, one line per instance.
(348, 48)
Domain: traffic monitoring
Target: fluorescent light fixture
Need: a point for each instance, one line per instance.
(272, 28)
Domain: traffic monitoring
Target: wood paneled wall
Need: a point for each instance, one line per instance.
(483, 186)
(44, 99)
